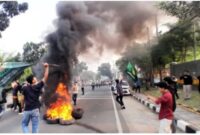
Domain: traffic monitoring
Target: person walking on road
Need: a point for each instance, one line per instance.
(119, 97)
(75, 92)
(82, 88)
(138, 85)
(31, 92)
(166, 110)
(187, 84)
(93, 86)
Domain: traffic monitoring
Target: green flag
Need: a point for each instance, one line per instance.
(131, 71)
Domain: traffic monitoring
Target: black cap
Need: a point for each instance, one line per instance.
(162, 85)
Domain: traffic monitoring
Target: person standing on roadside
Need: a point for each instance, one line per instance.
(166, 109)
(187, 84)
(171, 87)
(31, 92)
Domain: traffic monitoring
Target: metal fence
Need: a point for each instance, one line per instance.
(193, 67)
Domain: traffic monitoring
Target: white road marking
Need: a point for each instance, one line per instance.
(119, 126)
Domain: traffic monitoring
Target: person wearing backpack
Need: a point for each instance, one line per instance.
(172, 89)
(166, 115)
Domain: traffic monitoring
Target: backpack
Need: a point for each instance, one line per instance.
(171, 90)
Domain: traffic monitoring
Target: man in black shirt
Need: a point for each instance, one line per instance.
(119, 97)
(31, 94)
(187, 84)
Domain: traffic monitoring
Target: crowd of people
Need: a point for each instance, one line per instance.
(26, 98)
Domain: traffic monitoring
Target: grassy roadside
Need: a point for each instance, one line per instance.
(193, 103)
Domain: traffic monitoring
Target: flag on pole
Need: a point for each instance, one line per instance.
(132, 71)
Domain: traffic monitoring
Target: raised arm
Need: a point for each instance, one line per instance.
(46, 72)
(153, 99)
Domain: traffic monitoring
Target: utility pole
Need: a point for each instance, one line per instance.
(194, 50)
(148, 37)
(156, 21)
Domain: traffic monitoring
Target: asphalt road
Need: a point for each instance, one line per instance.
(101, 115)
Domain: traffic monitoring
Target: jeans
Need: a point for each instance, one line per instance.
(74, 98)
(34, 116)
(119, 99)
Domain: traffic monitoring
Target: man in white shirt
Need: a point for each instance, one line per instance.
(75, 92)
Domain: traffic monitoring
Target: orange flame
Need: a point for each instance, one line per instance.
(62, 108)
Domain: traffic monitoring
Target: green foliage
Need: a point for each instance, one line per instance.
(137, 54)
(2, 57)
(16, 58)
(9, 57)
(26, 73)
(173, 46)
(33, 52)
(8, 10)
(181, 9)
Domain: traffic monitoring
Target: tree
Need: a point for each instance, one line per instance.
(87, 75)
(159, 56)
(9, 57)
(16, 58)
(181, 9)
(32, 52)
(139, 55)
(2, 58)
(186, 12)
(8, 10)
(26, 73)
(79, 68)
(105, 70)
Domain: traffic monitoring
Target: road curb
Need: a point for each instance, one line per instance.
(181, 124)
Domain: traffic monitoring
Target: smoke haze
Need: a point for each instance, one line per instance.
(96, 26)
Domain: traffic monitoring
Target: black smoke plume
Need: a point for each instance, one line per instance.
(83, 25)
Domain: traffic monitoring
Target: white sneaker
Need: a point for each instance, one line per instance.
(20, 113)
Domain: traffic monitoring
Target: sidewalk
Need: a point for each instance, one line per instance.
(186, 121)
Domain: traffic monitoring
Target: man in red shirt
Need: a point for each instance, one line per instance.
(166, 108)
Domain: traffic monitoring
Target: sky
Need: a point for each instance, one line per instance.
(32, 25)
(36, 23)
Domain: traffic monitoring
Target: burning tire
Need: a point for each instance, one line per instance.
(52, 121)
(66, 122)
(45, 117)
(77, 113)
